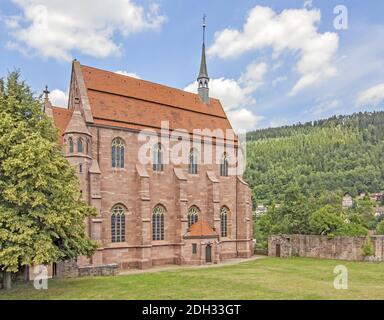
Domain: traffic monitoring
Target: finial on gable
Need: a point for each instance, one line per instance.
(46, 93)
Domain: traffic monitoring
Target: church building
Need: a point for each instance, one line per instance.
(160, 211)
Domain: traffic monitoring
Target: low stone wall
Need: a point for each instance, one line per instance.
(104, 270)
(70, 269)
(323, 247)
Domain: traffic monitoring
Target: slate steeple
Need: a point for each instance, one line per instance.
(203, 78)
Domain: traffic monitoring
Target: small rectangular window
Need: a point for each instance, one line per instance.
(194, 248)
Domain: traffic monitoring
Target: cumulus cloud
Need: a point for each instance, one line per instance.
(244, 119)
(53, 29)
(58, 98)
(293, 30)
(372, 96)
(236, 95)
(128, 74)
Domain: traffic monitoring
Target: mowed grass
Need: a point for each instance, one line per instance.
(268, 278)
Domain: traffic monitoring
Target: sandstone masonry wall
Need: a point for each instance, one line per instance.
(323, 247)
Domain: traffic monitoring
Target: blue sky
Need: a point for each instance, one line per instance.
(270, 62)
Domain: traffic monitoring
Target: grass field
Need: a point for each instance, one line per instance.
(269, 278)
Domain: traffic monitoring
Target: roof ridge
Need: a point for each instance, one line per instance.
(161, 103)
(149, 82)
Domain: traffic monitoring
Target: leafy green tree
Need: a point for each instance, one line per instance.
(41, 213)
(380, 228)
(326, 221)
(365, 210)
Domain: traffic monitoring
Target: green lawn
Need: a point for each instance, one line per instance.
(269, 278)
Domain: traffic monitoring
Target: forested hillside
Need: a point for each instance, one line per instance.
(306, 168)
(344, 153)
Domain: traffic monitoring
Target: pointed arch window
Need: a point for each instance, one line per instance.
(118, 153)
(192, 167)
(118, 224)
(193, 215)
(224, 221)
(87, 147)
(158, 157)
(70, 142)
(158, 216)
(80, 145)
(224, 165)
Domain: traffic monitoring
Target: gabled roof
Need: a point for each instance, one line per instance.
(201, 229)
(122, 101)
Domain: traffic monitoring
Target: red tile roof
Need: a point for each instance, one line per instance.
(128, 102)
(61, 117)
(201, 229)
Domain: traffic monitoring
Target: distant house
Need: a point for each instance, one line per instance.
(379, 211)
(347, 201)
(362, 195)
(260, 210)
(376, 196)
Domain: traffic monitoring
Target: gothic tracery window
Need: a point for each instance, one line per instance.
(192, 167)
(224, 221)
(117, 153)
(224, 165)
(158, 214)
(158, 159)
(70, 142)
(193, 215)
(80, 145)
(118, 224)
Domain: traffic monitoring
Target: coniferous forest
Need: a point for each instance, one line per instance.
(308, 167)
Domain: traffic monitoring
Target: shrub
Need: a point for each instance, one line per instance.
(380, 228)
(367, 248)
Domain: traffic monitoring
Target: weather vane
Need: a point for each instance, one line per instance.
(204, 25)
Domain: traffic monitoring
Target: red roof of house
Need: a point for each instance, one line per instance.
(128, 102)
(201, 229)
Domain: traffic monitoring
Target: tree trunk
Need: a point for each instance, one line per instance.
(7, 280)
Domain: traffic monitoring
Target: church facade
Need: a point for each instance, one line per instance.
(119, 133)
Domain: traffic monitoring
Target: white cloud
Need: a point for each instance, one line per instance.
(294, 30)
(372, 96)
(236, 95)
(253, 76)
(128, 74)
(230, 93)
(58, 98)
(53, 29)
(325, 106)
(244, 119)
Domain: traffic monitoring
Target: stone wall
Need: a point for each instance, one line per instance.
(104, 270)
(323, 247)
(70, 269)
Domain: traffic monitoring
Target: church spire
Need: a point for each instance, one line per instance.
(203, 78)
